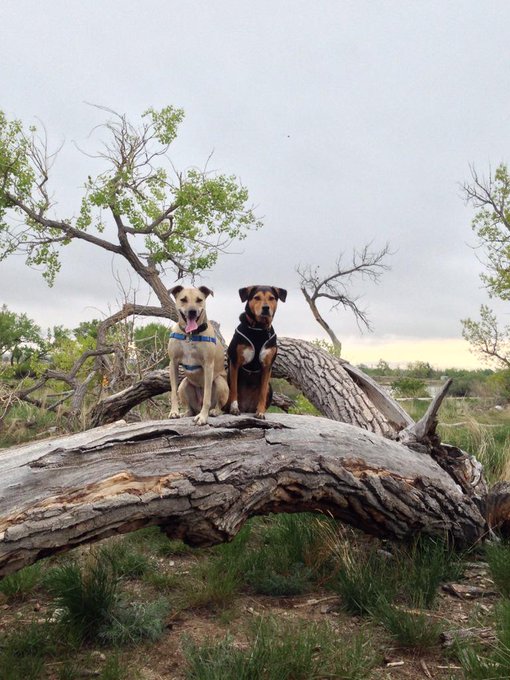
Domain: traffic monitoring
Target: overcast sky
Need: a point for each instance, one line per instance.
(349, 122)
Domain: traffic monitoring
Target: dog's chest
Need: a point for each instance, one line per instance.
(190, 353)
(248, 354)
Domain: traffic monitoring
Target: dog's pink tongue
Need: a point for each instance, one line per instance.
(191, 326)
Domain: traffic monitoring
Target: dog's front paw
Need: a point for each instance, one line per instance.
(174, 414)
(234, 409)
(214, 412)
(200, 419)
(260, 415)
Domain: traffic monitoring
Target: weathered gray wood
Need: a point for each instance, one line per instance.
(202, 483)
(426, 426)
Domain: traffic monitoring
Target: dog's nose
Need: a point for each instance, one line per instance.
(192, 313)
(265, 310)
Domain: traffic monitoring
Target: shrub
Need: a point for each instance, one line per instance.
(136, 621)
(409, 387)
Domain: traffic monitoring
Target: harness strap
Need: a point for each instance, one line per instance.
(191, 368)
(192, 338)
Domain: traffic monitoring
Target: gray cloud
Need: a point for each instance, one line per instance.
(349, 122)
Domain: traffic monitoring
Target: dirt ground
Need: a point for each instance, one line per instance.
(164, 659)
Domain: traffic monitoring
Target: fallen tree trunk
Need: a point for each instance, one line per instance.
(339, 391)
(201, 484)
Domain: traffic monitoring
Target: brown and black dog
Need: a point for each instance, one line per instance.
(252, 351)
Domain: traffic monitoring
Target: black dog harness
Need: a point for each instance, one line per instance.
(256, 336)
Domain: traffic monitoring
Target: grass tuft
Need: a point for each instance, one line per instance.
(155, 541)
(86, 596)
(498, 558)
(410, 629)
(23, 651)
(424, 566)
(281, 652)
(125, 560)
(363, 579)
(136, 621)
(21, 584)
(493, 663)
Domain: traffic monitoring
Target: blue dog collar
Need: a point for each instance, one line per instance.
(192, 338)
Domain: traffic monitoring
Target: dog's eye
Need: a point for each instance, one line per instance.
(257, 297)
(184, 299)
(272, 299)
(199, 300)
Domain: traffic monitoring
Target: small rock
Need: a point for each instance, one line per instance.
(37, 607)
(466, 592)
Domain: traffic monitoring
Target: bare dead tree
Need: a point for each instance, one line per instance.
(365, 264)
(76, 382)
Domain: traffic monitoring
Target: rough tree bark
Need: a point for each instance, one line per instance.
(202, 483)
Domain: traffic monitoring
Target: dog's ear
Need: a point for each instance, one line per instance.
(281, 293)
(244, 293)
(175, 290)
(205, 290)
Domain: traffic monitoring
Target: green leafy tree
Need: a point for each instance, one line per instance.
(134, 208)
(151, 342)
(87, 329)
(491, 224)
(487, 338)
(20, 337)
(420, 369)
(409, 387)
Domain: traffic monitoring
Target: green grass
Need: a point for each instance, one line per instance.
(275, 556)
(23, 651)
(424, 565)
(281, 651)
(21, 584)
(282, 560)
(154, 541)
(489, 662)
(135, 622)
(93, 608)
(216, 581)
(409, 629)
(364, 578)
(498, 558)
(125, 559)
(412, 574)
(86, 595)
(24, 422)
